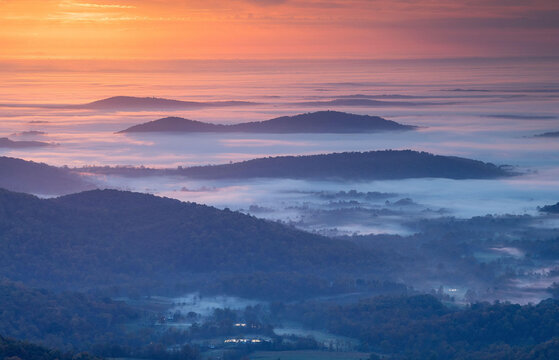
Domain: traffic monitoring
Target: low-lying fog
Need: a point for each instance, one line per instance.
(360, 207)
(477, 109)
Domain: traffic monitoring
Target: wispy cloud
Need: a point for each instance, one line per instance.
(97, 6)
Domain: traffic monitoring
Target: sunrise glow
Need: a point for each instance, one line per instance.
(152, 29)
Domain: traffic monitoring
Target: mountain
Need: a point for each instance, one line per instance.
(10, 144)
(108, 237)
(37, 178)
(153, 103)
(363, 102)
(316, 122)
(175, 124)
(552, 134)
(371, 165)
(134, 103)
(29, 133)
(552, 209)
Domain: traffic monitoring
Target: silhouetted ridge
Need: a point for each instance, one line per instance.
(10, 144)
(552, 134)
(552, 209)
(363, 102)
(152, 103)
(370, 165)
(316, 122)
(37, 178)
(174, 124)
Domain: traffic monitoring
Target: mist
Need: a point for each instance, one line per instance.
(491, 115)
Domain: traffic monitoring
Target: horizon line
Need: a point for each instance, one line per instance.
(514, 57)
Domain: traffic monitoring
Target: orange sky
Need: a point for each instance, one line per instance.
(193, 29)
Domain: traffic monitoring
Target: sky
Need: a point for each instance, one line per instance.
(275, 29)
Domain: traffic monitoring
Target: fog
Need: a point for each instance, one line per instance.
(300, 203)
(485, 110)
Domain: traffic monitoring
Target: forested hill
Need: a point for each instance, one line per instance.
(371, 165)
(38, 178)
(316, 122)
(11, 349)
(552, 209)
(106, 237)
(64, 320)
(421, 327)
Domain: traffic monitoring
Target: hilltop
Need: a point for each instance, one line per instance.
(315, 122)
(38, 178)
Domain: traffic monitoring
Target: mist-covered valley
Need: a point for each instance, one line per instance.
(296, 264)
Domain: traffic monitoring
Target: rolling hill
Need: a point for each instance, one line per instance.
(316, 122)
(371, 165)
(38, 178)
(104, 237)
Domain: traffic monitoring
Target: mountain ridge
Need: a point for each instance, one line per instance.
(551, 134)
(11, 144)
(154, 103)
(370, 165)
(314, 122)
(39, 178)
(103, 237)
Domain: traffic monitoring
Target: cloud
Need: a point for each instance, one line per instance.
(103, 6)
(278, 28)
(266, 2)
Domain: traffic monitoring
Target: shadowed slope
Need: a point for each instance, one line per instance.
(104, 237)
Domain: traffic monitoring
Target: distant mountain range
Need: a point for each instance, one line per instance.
(364, 102)
(29, 133)
(316, 122)
(372, 165)
(38, 178)
(552, 134)
(134, 103)
(153, 103)
(11, 144)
